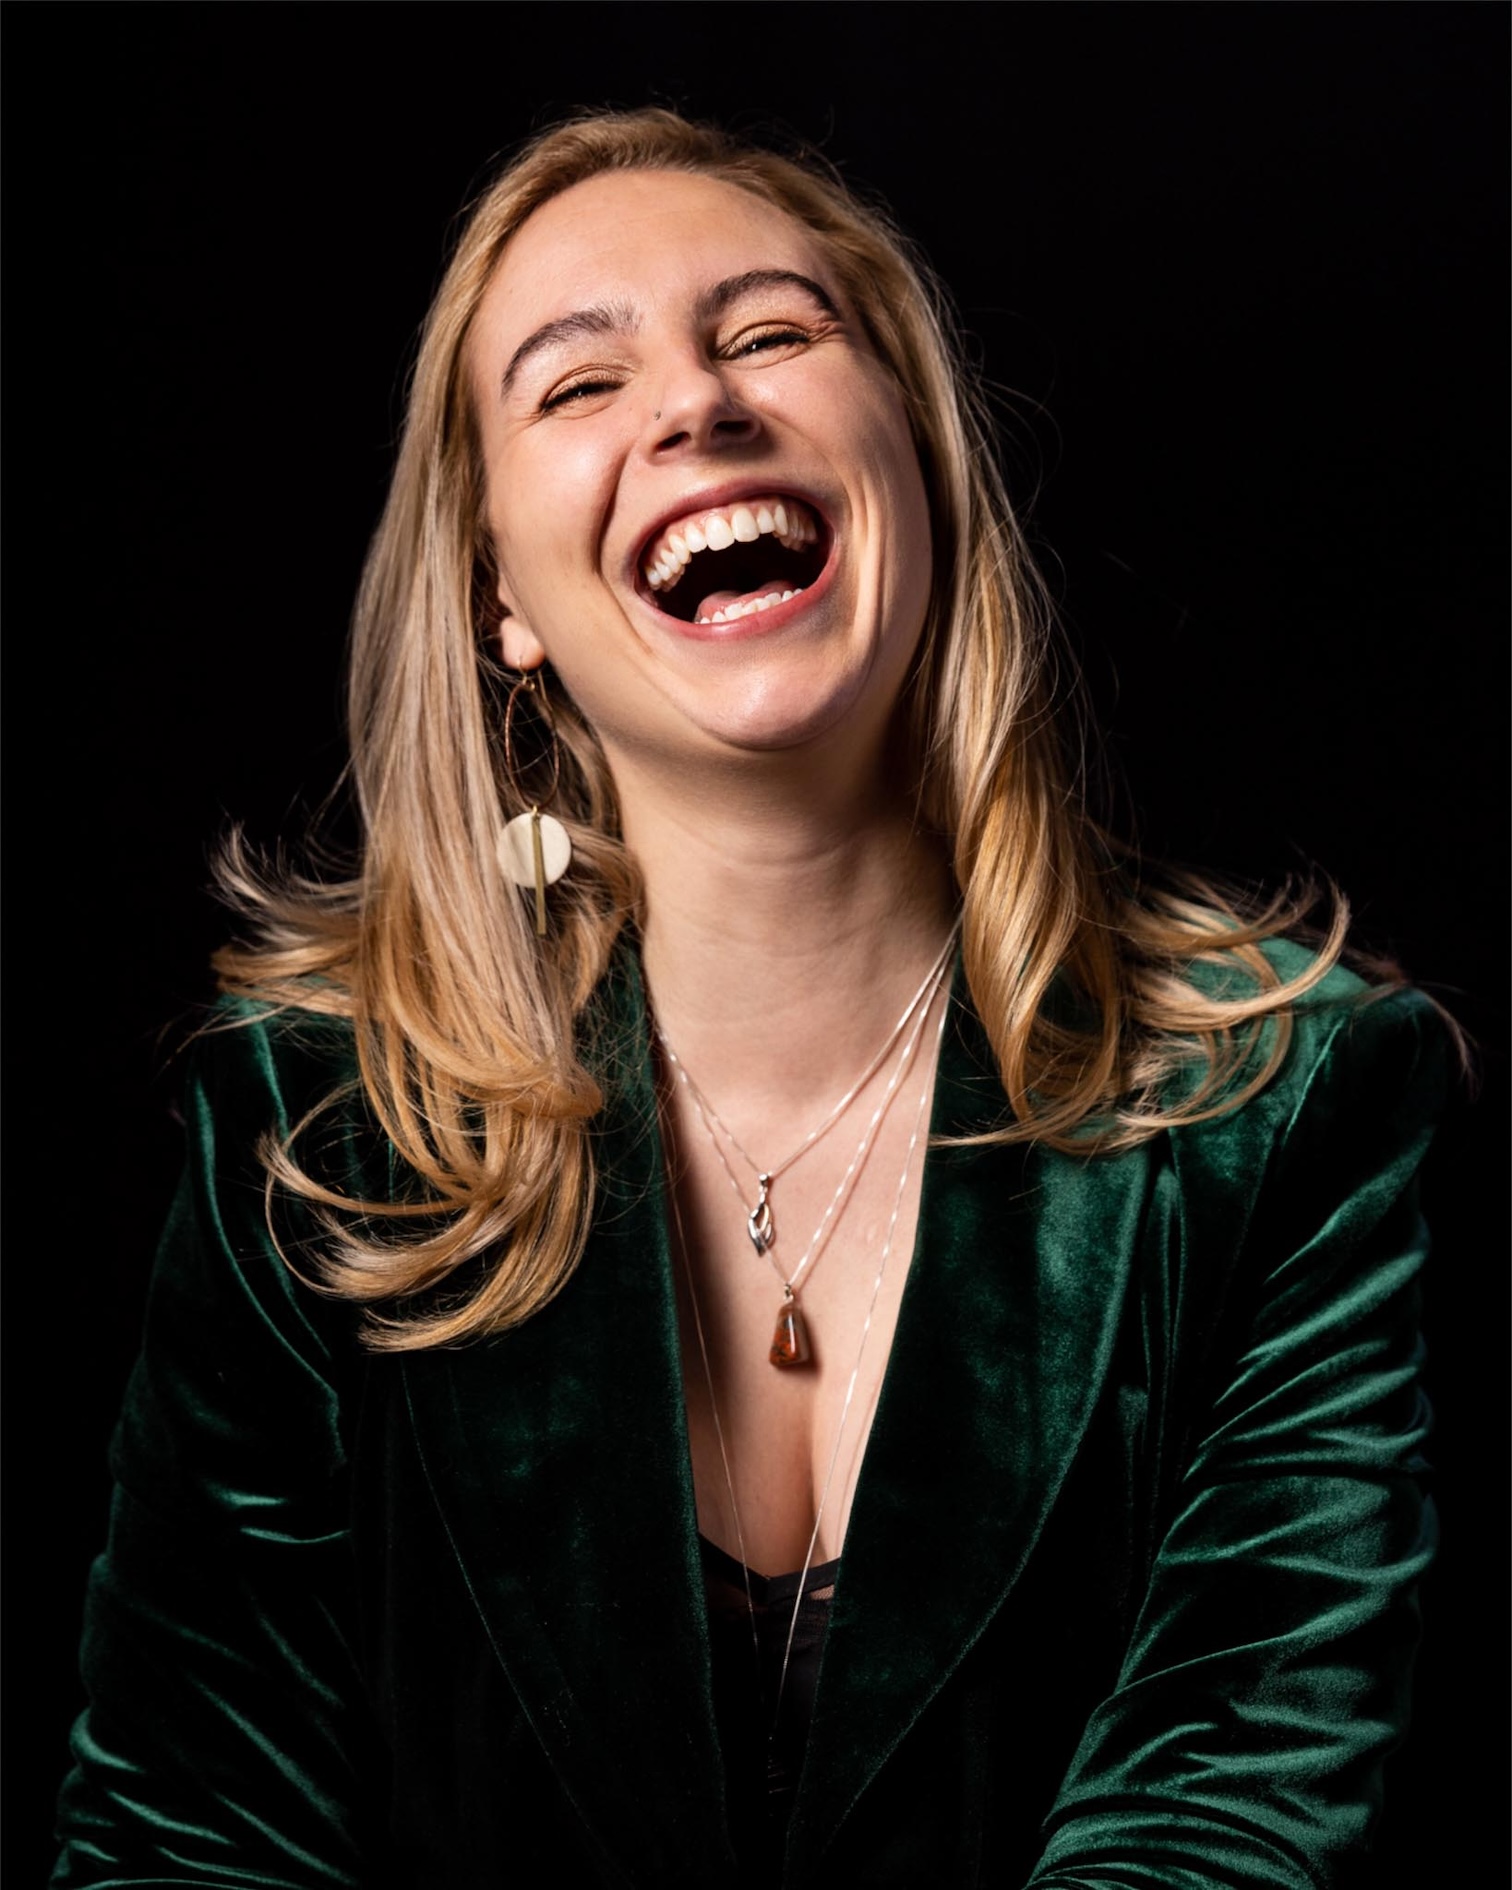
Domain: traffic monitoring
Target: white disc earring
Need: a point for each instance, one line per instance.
(534, 850)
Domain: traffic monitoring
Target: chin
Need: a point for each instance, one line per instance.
(791, 716)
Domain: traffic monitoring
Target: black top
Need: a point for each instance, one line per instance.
(763, 1718)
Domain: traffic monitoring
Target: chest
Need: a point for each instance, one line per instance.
(777, 1447)
(790, 1269)
(530, 1503)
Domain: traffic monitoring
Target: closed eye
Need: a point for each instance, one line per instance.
(584, 389)
(763, 340)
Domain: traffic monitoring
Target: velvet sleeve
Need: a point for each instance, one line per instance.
(1266, 1677)
(224, 1736)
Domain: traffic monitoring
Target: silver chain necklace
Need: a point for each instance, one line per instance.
(790, 1343)
(850, 1389)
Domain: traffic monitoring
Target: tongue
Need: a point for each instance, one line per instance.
(722, 600)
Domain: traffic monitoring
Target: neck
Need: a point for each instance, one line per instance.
(785, 930)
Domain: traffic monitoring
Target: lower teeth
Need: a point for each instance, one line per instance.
(732, 611)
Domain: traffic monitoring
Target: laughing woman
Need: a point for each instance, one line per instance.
(752, 1302)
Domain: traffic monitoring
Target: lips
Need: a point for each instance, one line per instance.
(716, 563)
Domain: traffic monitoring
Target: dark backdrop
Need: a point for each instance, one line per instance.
(1242, 268)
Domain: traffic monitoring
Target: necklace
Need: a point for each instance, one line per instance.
(760, 1224)
(850, 1389)
(790, 1342)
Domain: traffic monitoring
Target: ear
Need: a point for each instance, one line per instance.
(519, 645)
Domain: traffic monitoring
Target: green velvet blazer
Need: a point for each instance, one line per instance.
(1127, 1593)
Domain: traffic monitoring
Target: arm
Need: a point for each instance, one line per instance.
(1266, 1678)
(226, 1732)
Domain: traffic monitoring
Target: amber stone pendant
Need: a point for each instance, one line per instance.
(790, 1344)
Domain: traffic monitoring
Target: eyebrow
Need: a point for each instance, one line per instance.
(619, 318)
(716, 300)
(604, 318)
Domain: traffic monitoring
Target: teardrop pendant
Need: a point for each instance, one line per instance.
(790, 1345)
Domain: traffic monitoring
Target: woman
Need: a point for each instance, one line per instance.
(577, 1427)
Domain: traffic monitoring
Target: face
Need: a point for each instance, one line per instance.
(705, 504)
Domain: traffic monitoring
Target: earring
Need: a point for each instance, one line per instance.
(534, 849)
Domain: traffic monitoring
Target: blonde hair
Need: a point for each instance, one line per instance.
(464, 1020)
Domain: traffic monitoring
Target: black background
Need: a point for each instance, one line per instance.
(1243, 269)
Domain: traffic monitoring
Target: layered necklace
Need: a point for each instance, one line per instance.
(790, 1341)
(917, 1013)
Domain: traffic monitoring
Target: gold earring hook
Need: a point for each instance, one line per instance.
(526, 683)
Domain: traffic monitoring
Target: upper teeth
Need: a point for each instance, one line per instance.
(788, 520)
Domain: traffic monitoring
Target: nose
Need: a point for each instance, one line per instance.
(695, 406)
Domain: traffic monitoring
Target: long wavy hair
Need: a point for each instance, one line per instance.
(464, 1019)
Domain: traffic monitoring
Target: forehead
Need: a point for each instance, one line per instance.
(644, 238)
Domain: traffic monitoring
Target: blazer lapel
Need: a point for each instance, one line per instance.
(558, 1456)
(1003, 1340)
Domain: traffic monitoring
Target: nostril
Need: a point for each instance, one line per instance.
(704, 411)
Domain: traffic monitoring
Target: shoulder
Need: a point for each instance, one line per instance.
(1364, 1075)
(239, 1385)
(1391, 1044)
(276, 1062)
(261, 1078)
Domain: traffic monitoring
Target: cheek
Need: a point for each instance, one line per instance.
(548, 521)
(889, 438)
(894, 456)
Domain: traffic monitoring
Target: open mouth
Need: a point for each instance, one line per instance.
(725, 562)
